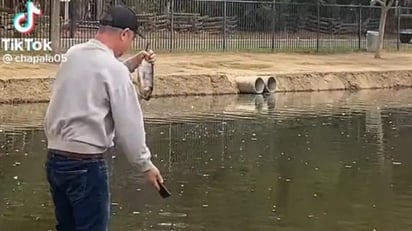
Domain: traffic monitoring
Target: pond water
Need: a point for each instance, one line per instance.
(305, 161)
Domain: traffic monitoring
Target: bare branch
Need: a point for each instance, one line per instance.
(389, 5)
(382, 3)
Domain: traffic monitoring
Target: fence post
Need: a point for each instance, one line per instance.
(398, 28)
(273, 24)
(318, 26)
(55, 26)
(224, 24)
(72, 7)
(172, 32)
(360, 28)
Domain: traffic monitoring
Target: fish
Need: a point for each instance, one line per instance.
(146, 78)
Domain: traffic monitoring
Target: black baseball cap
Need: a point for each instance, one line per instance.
(121, 17)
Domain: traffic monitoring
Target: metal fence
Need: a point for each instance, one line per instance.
(223, 25)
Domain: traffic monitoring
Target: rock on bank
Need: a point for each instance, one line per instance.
(19, 90)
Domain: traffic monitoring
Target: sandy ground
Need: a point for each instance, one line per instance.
(243, 64)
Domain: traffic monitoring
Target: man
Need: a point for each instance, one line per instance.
(94, 105)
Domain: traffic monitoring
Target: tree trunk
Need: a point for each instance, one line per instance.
(46, 7)
(384, 13)
(99, 9)
(81, 9)
(55, 26)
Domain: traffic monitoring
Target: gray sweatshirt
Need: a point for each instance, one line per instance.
(93, 99)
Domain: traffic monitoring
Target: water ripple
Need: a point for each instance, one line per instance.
(310, 161)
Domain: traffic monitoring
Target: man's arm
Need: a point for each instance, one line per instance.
(133, 62)
(128, 121)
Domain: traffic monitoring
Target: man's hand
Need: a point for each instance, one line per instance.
(153, 176)
(133, 62)
(149, 56)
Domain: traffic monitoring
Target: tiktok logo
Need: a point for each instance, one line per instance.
(24, 22)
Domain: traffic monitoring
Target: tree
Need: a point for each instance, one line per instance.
(385, 5)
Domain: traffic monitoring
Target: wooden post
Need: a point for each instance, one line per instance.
(360, 28)
(273, 24)
(224, 24)
(73, 17)
(55, 26)
(398, 25)
(318, 26)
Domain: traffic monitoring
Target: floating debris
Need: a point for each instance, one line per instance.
(205, 206)
(136, 213)
(169, 214)
(396, 163)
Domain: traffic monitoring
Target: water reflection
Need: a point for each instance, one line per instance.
(304, 161)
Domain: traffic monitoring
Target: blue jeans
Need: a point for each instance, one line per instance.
(80, 192)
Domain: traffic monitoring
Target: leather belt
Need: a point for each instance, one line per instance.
(76, 156)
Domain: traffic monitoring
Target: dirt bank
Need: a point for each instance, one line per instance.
(31, 90)
(343, 81)
(213, 73)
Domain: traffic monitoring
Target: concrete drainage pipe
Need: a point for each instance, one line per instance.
(250, 85)
(270, 83)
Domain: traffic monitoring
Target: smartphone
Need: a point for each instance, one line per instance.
(164, 192)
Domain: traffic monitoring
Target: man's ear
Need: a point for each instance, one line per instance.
(124, 34)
